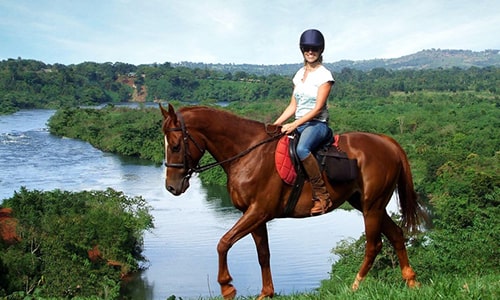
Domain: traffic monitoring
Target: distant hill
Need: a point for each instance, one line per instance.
(425, 59)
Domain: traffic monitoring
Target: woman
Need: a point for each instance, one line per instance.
(312, 84)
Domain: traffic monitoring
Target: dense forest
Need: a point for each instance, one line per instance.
(447, 120)
(33, 84)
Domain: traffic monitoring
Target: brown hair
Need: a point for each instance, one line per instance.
(320, 60)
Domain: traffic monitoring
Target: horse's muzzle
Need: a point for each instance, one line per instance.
(177, 189)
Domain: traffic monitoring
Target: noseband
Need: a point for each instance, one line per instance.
(186, 137)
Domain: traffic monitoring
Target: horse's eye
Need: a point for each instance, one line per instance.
(176, 148)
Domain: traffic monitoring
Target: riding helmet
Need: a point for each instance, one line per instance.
(312, 38)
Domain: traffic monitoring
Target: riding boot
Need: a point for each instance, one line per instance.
(321, 197)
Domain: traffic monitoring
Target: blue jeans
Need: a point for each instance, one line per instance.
(312, 135)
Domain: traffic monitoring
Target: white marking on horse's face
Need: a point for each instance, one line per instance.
(166, 147)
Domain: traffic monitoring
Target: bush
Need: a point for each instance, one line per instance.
(59, 230)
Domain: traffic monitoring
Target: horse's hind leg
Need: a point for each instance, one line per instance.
(373, 223)
(261, 242)
(395, 235)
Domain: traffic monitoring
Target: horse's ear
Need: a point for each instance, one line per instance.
(171, 110)
(170, 113)
(163, 111)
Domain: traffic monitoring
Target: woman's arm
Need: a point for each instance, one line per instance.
(288, 112)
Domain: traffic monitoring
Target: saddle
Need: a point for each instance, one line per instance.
(330, 157)
(338, 166)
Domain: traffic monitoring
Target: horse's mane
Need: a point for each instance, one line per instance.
(219, 113)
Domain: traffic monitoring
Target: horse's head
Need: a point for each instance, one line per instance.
(182, 151)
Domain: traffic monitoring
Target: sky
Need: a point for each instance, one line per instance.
(263, 32)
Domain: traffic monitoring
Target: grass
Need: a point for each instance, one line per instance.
(440, 287)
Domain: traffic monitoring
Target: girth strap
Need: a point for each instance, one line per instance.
(300, 179)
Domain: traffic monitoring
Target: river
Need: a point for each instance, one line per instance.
(181, 249)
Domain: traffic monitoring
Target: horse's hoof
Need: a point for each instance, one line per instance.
(265, 295)
(355, 286)
(356, 283)
(412, 283)
(229, 292)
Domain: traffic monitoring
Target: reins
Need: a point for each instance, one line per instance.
(241, 154)
(198, 169)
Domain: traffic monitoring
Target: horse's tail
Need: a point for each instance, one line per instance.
(413, 213)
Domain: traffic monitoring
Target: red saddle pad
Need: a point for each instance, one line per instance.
(283, 162)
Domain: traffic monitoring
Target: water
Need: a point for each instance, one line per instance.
(181, 249)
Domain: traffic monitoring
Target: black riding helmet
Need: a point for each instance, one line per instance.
(312, 38)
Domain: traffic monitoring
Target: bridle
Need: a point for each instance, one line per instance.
(186, 137)
(186, 155)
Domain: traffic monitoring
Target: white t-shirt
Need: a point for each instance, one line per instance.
(306, 92)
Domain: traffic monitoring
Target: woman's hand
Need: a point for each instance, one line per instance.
(289, 128)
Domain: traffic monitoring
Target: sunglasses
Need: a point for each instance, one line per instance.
(310, 48)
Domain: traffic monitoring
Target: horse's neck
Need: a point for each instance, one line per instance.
(231, 141)
(229, 135)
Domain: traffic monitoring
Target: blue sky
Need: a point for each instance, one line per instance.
(239, 31)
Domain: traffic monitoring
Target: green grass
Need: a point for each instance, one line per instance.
(440, 287)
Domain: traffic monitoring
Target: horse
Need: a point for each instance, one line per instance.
(245, 149)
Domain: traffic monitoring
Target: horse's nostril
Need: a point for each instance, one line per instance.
(170, 189)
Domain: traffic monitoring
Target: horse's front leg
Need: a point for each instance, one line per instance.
(249, 222)
(224, 278)
(261, 242)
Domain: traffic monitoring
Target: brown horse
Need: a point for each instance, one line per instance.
(245, 149)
